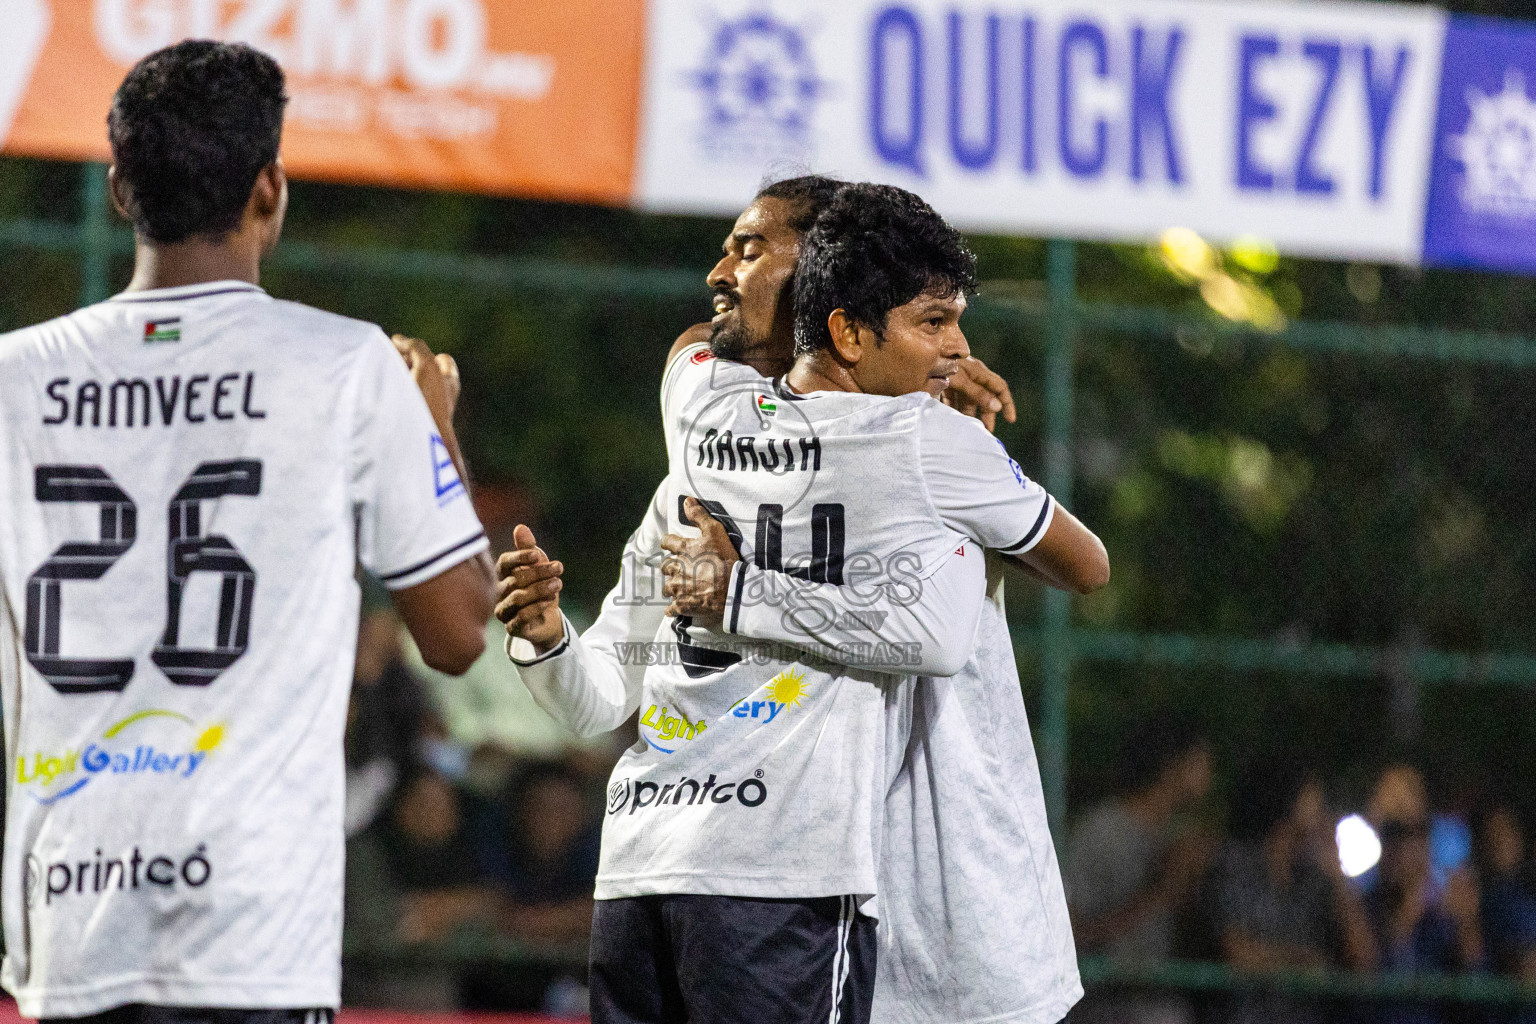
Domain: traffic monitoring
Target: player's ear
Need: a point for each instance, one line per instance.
(269, 195)
(114, 189)
(844, 332)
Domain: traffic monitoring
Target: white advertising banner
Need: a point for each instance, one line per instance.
(1308, 124)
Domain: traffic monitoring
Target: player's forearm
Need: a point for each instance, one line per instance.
(925, 627)
(591, 683)
(575, 685)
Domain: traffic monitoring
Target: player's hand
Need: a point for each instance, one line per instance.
(436, 375)
(977, 391)
(698, 573)
(528, 588)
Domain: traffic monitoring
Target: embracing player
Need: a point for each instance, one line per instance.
(881, 480)
(192, 471)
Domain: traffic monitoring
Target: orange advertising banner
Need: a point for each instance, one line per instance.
(529, 97)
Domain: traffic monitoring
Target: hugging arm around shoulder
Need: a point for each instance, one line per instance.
(915, 626)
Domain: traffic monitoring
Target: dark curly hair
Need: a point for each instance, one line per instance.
(191, 127)
(810, 193)
(874, 247)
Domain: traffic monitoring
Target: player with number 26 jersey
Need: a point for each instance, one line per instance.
(190, 475)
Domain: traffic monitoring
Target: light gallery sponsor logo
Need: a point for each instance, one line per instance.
(126, 750)
(784, 691)
(635, 796)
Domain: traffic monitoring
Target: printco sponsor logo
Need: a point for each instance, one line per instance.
(122, 753)
(135, 872)
(685, 792)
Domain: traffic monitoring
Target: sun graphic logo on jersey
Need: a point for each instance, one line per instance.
(783, 691)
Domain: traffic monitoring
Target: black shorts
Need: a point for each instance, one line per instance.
(142, 1013)
(731, 960)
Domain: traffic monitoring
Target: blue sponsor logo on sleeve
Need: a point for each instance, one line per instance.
(445, 475)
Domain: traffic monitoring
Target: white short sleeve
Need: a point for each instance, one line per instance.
(684, 375)
(414, 517)
(976, 487)
(693, 371)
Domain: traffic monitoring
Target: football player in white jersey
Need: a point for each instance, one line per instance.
(192, 471)
(703, 853)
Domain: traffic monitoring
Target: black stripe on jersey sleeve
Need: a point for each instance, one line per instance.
(564, 646)
(1033, 530)
(426, 562)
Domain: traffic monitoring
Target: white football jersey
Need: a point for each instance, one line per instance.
(190, 477)
(973, 918)
(762, 771)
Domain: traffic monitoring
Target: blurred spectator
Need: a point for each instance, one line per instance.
(417, 874)
(387, 717)
(1400, 795)
(1279, 899)
(1133, 861)
(430, 849)
(1508, 903)
(553, 847)
(1419, 927)
(546, 872)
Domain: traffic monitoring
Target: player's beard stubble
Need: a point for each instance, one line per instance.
(733, 338)
(730, 338)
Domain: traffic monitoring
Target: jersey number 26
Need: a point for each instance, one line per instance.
(189, 552)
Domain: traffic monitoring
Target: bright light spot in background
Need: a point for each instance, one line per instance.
(1255, 254)
(1187, 254)
(1192, 260)
(1359, 849)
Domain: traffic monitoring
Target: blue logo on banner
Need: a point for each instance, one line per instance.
(1482, 183)
(445, 475)
(760, 89)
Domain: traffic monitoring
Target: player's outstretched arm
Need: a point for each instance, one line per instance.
(981, 493)
(447, 614)
(583, 686)
(922, 627)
